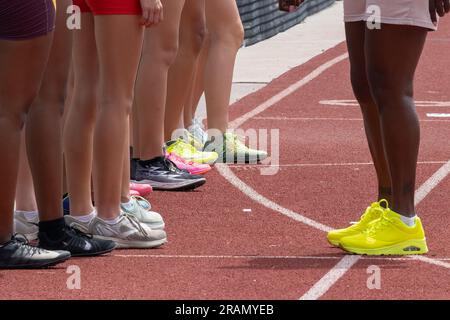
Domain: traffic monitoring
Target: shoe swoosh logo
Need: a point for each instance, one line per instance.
(87, 245)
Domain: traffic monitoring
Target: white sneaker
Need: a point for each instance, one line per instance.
(28, 228)
(138, 208)
(128, 232)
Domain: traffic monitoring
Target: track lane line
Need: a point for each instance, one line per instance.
(346, 263)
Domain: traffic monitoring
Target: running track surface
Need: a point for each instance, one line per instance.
(279, 250)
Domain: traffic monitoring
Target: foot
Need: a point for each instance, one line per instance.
(162, 174)
(78, 243)
(372, 213)
(138, 208)
(388, 235)
(18, 254)
(25, 226)
(232, 150)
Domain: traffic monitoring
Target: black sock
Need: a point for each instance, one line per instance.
(54, 229)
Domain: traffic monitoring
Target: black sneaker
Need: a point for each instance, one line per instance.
(162, 174)
(77, 243)
(18, 254)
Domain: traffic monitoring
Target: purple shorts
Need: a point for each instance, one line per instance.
(26, 19)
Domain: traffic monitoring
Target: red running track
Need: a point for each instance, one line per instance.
(279, 250)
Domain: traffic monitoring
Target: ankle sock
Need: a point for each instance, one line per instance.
(409, 221)
(86, 218)
(29, 215)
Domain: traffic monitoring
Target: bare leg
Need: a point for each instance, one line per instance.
(23, 64)
(198, 85)
(392, 55)
(160, 50)
(44, 124)
(355, 32)
(25, 198)
(226, 34)
(123, 36)
(79, 126)
(181, 74)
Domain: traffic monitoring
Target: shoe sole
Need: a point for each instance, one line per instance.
(183, 186)
(125, 244)
(334, 243)
(42, 265)
(96, 254)
(410, 247)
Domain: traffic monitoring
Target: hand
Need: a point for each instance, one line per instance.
(438, 7)
(152, 12)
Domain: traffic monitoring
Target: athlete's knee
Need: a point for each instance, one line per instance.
(232, 34)
(118, 105)
(199, 37)
(15, 117)
(361, 88)
(389, 91)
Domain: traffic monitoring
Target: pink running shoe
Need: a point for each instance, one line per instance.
(134, 193)
(191, 167)
(141, 189)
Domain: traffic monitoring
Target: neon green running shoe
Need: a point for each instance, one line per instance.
(189, 153)
(233, 150)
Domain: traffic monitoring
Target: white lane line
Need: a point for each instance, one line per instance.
(251, 193)
(438, 115)
(247, 257)
(323, 285)
(343, 164)
(288, 91)
(436, 262)
(432, 182)
(332, 119)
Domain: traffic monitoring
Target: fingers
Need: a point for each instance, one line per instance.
(447, 6)
(433, 14)
(152, 15)
(439, 4)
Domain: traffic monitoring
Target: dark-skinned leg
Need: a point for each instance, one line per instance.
(392, 55)
(355, 33)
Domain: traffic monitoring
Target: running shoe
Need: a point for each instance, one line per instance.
(128, 232)
(134, 193)
(18, 254)
(162, 174)
(78, 243)
(141, 188)
(372, 213)
(388, 235)
(189, 166)
(232, 150)
(197, 130)
(150, 218)
(189, 153)
(26, 227)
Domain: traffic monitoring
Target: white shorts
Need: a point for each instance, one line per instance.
(401, 12)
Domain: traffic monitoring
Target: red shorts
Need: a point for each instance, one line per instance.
(110, 7)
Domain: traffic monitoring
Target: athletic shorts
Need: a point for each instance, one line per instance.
(109, 7)
(401, 12)
(26, 19)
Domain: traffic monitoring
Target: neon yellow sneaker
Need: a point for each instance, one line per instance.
(194, 142)
(190, 153)
(233, 150)
(372, 213)
(388, 236)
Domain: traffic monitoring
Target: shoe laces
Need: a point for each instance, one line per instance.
(375, 209)
(135, 222)
(379, 225)
(139, 198)
(24, 244)
(171, 167)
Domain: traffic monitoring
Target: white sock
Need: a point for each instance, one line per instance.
(86, 218)
(129, 206)
(410, 222)
(29, 215)
(112, 221)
